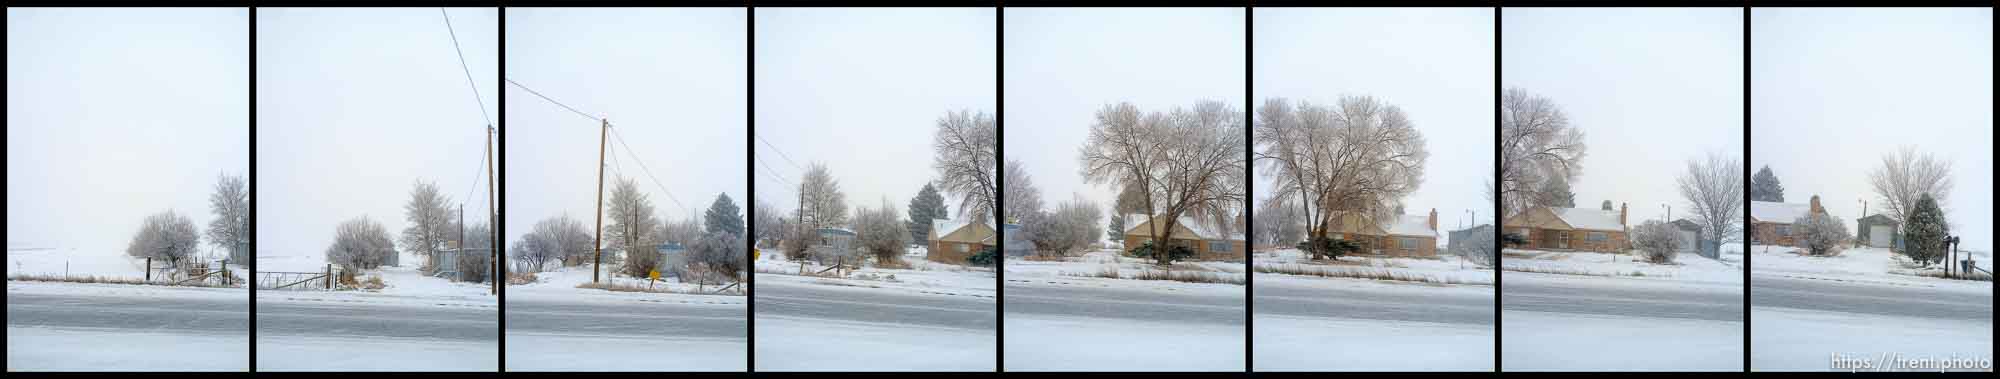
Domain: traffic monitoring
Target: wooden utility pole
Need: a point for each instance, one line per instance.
(492, 220)
(598, 247)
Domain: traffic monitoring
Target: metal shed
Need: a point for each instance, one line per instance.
(1877, 230)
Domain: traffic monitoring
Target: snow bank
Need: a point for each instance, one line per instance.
(923, 276)
(860, 346)
(1867, 264)
(1795, 340)
(1083, 269)
(60, 261)
(85, 349)
(571, 353)
(560, 285)
(1099, 344)
(1285, 343)
(1541, 341)
(1686, 266)
(297, 353)
(1445, 267)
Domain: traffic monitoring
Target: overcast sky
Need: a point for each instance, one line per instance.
(672, 81)
(862, 90)
(1651, 88)
(1435, 63)
(356, 105)
(1833, 90)
(117, 114)
(1063, 64)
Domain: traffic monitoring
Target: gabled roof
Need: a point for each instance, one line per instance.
(1879, 218)
(944, 227)
(1410, 225)
(1589, 218)
(1134, 221)
(1776, 212)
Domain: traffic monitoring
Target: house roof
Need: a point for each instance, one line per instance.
(1879, 218)
(1410, 225)
(1589, 218)
(1778, 213)
(944, 227)
(1134, 220)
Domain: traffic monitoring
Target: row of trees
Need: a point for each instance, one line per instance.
(715, 245)
(173, 238)
(362, 243)
(1908, 185)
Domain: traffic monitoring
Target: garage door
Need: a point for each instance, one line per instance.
(1880, 236)
(1687, 241)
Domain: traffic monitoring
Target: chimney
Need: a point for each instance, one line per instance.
(1815, 206)
(1621, 214)
(1434, 219)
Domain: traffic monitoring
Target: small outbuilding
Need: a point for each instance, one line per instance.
(1878, 230)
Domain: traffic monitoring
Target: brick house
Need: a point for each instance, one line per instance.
(952, 241)
(1771, 222)
(1571, 229)
(1402, 235)
(1208, 244)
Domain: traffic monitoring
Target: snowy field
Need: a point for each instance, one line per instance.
(1100, 344)
(1785, 339)
(1542, 341)
(554, 326)
(1864, 265)
(113, 327)
(1686, 266)
(109, 263)
(1444, 268)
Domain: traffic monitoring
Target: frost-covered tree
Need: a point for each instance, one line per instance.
(360, 244)
(1555, 193)
(629, 218)
(430, 215)
(1070, 228)
(718, 256)
(230, 230)
(1358, 157)
(561, 238)
(684, 232)
(1020, 197)
(1278, 223)
(768, 223)
(1907, 175)
(924, 208)
(1606, 206)
(967, 152)
(881, 232)
(723, 216)
(166, 236)
(1765, 186)
(1713, 189)
(1478, 248)
(1925, 231)
(1181, 161)
(1537, 142)
(823, 204)
(1821, 234)
(1656, 241)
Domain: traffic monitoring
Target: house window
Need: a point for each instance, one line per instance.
(1218, 246)
(964, 248)
(1408, 243)
(1597, 237)
(1783, 230)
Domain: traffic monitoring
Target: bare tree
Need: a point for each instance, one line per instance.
(554, 239)
(1278, 223)
(1821, 234)
(823, 204)
(684, 232)
(1713, 189)
(230, 230)
(1360, 157)
(1537, 143)
(166, 236)
(1021, 197)
(967, 148)
(1073, 226)
(1906, 176)
(882, 233)
(631, 218)
(360, 244)
(1656, 241)
(1180, 161)
(768, 223)
(430, 215)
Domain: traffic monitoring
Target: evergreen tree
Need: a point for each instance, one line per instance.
(927, 206)
(1117, 230)
(723, 216)
(1765, 187)
(1925, 231)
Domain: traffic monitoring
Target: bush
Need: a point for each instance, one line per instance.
(360, 244)
(882, 233)
(1478, 248)
(986, 257)
(718, 255)
(475, 266)
(1821, 234)
(1514, 239)
(166, 236)
(1328, 248)
(1174, 253)
(639, 262)
(1656, 242)
(1924, 232)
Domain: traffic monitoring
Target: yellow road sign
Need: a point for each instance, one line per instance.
(654, 275)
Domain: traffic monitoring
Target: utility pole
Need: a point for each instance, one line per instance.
(492, 219)
(598, 247)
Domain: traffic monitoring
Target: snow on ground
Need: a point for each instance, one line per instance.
(124, 290)
(403, 284)
(82, 262)
(1865, 265)
(1578, 342)
(1793, 340)
(57, 349)
(560, 284)
(1085, 267)
(923, 276)
(1444, 267)
(1094, 344)
(566, 353)
(1286, 343)
(863, 346)
(1686, 266)
(299, 353)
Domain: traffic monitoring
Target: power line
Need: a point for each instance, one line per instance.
(462, 66)
(553, 101)
(649, 172)
(781, 153)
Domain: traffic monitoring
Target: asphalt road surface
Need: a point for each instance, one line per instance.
(629, 318)
(775, 298)
(201, 315)
(355, 319)
(1117, 303)
(1663, 299)
(1876, 299)
(1454, 307)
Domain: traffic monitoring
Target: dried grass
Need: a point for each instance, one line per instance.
(111, 280)
(1370, 273)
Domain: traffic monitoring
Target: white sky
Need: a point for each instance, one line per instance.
(1435, 63)
(1832, 90)
(1063, 64)
(116, 114)
(671, 80)
(355, 105)
(861, 90)
(1650, 87)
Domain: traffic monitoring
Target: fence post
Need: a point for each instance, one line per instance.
(149, 269)
(329, 277)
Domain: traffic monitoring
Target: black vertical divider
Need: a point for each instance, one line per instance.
(1249, 187)
(749, 178)
(1746, 189)
(500, 191)
(999, 182)
(1497, 215)
(252, 280)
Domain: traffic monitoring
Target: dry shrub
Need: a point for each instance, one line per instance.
(517, 278)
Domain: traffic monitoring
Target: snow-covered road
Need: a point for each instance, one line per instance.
(1799, 324)
(1621, 297)
(1592, 323)
(93, 327)
(1378, 326)
(1901, 300)
(636, 333)
(1123, 325)
(1360, 299)
(803, 326)
(375, 332)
